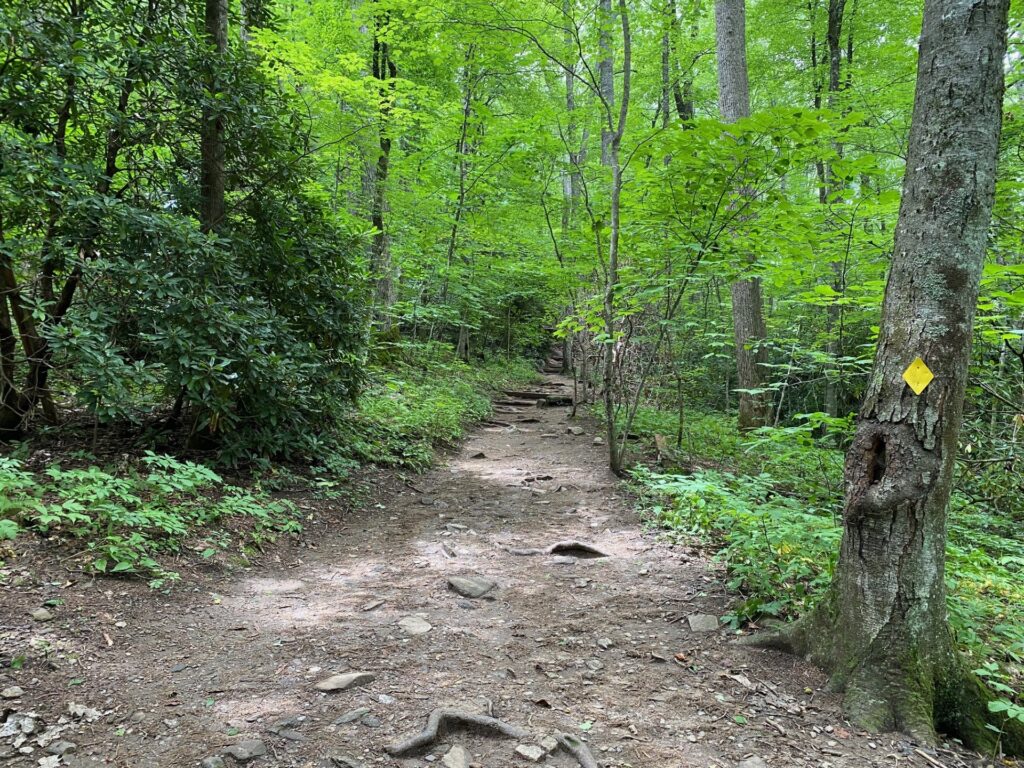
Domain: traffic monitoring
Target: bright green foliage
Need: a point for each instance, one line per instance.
(771, 511)
(128, 519)
(426, 398)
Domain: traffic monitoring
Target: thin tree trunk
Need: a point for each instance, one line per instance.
(882, 630)
(211, 138)
(606, 75)
(384, 72)
(747, 306)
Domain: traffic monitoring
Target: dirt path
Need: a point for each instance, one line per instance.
(597, 647)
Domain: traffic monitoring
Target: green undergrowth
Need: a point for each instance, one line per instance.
(133, 519)
(770, 505)
(424, 398)
(140, 515)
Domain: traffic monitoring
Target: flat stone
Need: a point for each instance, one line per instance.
(471, 586)
(371, 721)
(14, 692)
(531, 752)
(702, 622)
(352, 715)
(42, 614)
(61, 747)
(212, 762)
(598, 441)
(414, 625)
(550, 744)
(345, 681)
(344, 761)
(247, 750)
(753, 762)
(577, 431)
(456, 757)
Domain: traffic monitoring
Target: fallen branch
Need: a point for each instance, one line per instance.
(443, 721)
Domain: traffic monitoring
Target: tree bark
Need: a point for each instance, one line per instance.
(747, 312)
(881, 631)
(385, 72)
(211, 138)
(606, 75)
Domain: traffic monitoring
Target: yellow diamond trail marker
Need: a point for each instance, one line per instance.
(918, 376)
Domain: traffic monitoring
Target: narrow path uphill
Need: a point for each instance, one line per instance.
(619, 653)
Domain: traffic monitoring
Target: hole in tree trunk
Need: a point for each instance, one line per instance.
(877, 460)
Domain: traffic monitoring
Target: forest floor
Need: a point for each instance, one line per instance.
(616, 650)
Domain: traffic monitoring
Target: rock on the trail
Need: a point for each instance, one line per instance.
(415, 625)
(598, 440)
(702, 622)
(753, 762)
(61, 747)
(352, 715)
(247, 750)
(479, 455)
(604, 643)
(531, 752)
(216, 761)
(456, 757)
(344, 761)
(13, 692)
(471, 586)
(345, 681)
(576, 431)
(550, 744)
(42, 614)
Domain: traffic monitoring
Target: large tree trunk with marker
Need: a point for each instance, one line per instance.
(748, 318)
(882, 630)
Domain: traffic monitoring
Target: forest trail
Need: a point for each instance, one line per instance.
(599, 647)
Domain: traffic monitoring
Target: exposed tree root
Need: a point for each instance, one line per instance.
(577, 749)
(443, 721)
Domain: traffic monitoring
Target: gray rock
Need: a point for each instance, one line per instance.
(216, 761)
(471, 586)
(577, 431)
(531, 752)
(352, 715)
(344, 761)
(598, 441)
(61, 747)
(247, 750)
(345, 681)
(371, 721)
(14, 692)
(41, 614)
(702, 622)
(456, 757)
(550, 744)
(604, 643)
(414, 625)
(291, 735)
(753, 762)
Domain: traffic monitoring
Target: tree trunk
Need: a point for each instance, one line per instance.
(881, 630)
(385, 72)
(211, 138)
(747, 313)
(606, 75)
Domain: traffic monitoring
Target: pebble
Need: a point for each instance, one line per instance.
(345, 681)
(531, 752)
(13, 692)
(414, 625)
(456, 757)
(604, 643)
(247, 750)
(41, 614)
(471, 586)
